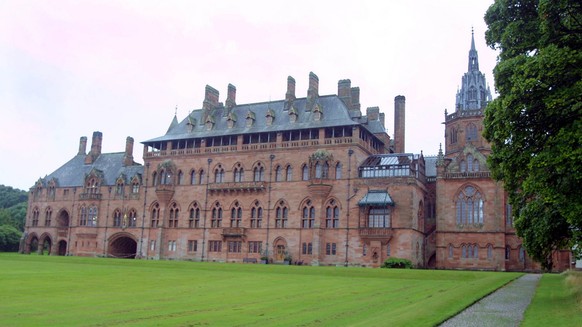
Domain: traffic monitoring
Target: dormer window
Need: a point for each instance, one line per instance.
(293, 114)
(250, 120)
(209, 123)
(231, 120)
(270, 117)
(317, 112)
(191, 124)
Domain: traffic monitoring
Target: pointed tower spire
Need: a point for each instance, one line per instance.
(174, 122)
(473, 58)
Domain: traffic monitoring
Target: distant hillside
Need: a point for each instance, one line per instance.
(13, 204)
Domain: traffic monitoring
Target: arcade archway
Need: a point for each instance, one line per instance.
(123, 246)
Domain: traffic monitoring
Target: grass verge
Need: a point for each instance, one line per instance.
(557, 302)
(73, 291)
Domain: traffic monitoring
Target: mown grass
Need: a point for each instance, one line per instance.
(557, 302)
(73, 291)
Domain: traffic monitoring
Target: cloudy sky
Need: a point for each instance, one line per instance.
(68, 68)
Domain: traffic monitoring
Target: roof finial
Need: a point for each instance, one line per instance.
(176, 111)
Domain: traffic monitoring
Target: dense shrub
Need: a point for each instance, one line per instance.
(397, 263)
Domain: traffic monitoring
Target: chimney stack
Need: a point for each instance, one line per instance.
(128, 157)
(344, 92)
(230, 97)
(399, 123)
(355, 98)
(210, 98)
(290, 95)
(312, 91)
(82, 146)
(373, 113)
(95, 148)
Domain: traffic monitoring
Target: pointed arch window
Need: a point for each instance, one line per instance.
(469, 207)
(236, 215)
(289, 173)
(278, 174)
(256, 215)
(154, 178)
(35, 217)
(135, 186)
(174, 215)
(193, 177)
(48, 214)
(451, 251)
(216, 221)
(194, 217)
(521, 254)
(132, 218)
(155, 215)
(238, 173)
(219, 174)
(117, 218)
(82, 216)
(92, 216)
(338, 170)
(180, 177)
(259, 173)
(201, 177)
(305, 173)
(471, 134)
(332, 213)
(308, 217)
(281, 215)
(489, 252)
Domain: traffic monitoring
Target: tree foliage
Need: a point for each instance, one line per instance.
(535, 124)
(9, 238)
(13, 207)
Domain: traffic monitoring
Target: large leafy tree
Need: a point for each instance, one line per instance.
(535, 124)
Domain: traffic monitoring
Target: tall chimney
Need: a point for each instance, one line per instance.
(344, 92)
(373, 113)
(290, 95)
(230, 97)
(399, 123)
(355, 98)
(312, 91)
(82, 146)
(95, 148)
(128, 157)
(210, 98)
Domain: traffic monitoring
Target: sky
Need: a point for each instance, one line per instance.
(124, 68)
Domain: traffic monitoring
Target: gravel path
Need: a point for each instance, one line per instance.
(504, 307)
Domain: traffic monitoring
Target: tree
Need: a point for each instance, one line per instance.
(9, 238)
(535, 124)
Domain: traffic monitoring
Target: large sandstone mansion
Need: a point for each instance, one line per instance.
(311, 180)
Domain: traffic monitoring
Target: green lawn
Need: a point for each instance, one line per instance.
(557, 302)
(72, 291)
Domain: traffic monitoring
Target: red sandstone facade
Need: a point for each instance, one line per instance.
(308, 180)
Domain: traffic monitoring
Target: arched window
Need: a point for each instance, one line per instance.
(135, 186)
(289, 173)
(35, 215)
(318, 170)
(132, 218)
(238, 173)
(489, 252)
(454, 135)
(155, 218)
(469, 207)
(117, 218)
(256, 215)
(471, 134)
(305, 173)
(82, 216)
(259, 173)
(92, 216)
(338, 170)
(332, 215)
(180, 177)
(155, 178)
(451, 251)
(308, 218)
(236, 215)
(216, 221)
(281, 215)
(174, 213)
(194, 217)
(463, 166)
(201, 177)
(507, 252)
(193, 177)
(219, 174)
(278, 174)
(119, 187)
(48, 214)
(463, 251)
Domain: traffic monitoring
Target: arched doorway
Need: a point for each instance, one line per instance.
(280, 249)
(31, 244)
(122, 245)
(63, 219)
(45, 244)
(62, 246)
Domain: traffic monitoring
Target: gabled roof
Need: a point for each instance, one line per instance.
(72, 173)
(335, 113)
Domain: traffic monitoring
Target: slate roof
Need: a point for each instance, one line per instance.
(335, 113)
(375, 198)
(430, 166)
(72, 173)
